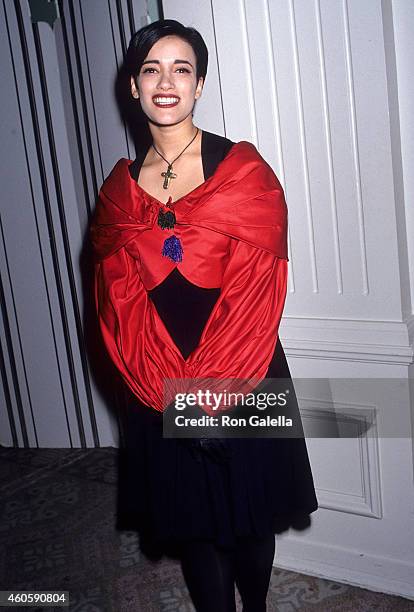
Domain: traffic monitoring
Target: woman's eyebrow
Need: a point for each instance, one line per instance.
(177, 61)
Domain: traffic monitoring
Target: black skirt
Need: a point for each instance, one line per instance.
(169, 497)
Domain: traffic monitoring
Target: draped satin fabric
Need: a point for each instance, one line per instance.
(233, 229)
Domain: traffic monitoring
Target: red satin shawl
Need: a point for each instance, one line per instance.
(233, 229)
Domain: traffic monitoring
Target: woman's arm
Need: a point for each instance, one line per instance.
(134, 335)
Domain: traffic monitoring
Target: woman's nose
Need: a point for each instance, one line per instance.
(165, 81)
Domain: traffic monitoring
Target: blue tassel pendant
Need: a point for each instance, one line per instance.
(172, 248)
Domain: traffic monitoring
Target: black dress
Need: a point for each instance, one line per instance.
(168, 496)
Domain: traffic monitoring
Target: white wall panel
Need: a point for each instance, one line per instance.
(403, 17)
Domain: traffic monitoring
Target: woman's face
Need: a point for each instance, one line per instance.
(167, 82)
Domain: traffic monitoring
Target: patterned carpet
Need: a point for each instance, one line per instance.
(57, 516)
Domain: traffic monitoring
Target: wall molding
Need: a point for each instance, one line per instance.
(323, 415)
(390, 342)
(357, 567)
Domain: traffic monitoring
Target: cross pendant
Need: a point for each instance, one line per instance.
(168, 176)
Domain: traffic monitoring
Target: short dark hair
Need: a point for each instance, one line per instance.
(143, 40)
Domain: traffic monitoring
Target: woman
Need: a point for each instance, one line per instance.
(190, 279)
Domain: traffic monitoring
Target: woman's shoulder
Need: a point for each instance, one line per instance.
(212, 142)
(214, 148)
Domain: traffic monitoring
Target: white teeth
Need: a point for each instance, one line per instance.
(165, 100)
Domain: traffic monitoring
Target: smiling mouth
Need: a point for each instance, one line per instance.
(165, 101)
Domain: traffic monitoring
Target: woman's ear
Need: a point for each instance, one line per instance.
(199, 88)
(134, 89)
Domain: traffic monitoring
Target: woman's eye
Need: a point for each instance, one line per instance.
(151, 70)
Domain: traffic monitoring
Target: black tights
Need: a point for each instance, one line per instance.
(211, 573)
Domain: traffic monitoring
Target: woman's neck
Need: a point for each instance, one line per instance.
(170, 140)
